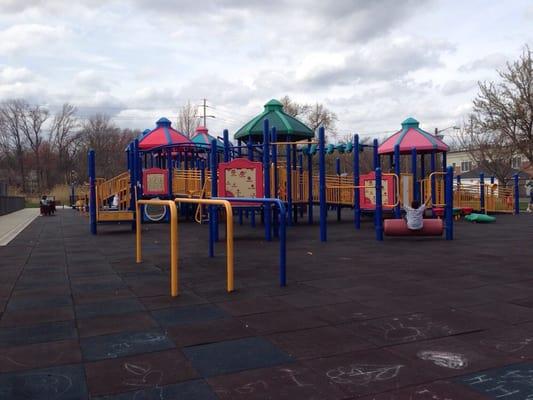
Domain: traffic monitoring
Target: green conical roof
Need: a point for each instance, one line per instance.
(287, 127)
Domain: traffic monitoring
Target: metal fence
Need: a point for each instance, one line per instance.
(9, 204)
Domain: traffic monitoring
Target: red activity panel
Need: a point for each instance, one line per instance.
(155, 181)
(367, 195)
(240, 178)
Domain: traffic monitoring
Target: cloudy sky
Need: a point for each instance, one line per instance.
(373, 62)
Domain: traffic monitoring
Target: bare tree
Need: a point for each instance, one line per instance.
(33, 119)
(506, 107)
(293, 108)
(319, 115)
(488, 149)
(11, 116)
(64, 138)
(188, 121)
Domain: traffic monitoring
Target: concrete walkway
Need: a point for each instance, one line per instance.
(12, 224)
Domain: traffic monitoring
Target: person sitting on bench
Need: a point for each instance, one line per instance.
(414, 215)
(45, 207)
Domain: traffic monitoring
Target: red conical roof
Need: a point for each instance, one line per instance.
(162, 135)
(411, 136)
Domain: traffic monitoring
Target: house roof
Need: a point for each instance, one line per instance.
(474, 173)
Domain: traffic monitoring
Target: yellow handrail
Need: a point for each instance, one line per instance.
(229, 233)
(173, 239)
(198, 213)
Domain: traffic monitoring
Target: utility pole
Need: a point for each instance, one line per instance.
(205, 116)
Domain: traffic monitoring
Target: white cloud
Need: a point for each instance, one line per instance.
(22, 37)
(456, 87)
(490, 61)
(12, 74)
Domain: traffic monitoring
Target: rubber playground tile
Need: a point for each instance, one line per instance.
(209, 331)
(38, 316)
(436, 390)
(141, 371)
(38, 302)
(188, 314)
(101, 295)
(166, 301)
(37, 333)
(510, 313)
(290, 382)
(108, 324)
(302, 300)
(511, 343)
(346, 312)
(319, 342)
(282, 321)
(190, 390)
(42, 293)
(510, 382)
(124, 344)
(448, 357)
(119, 306)
(366, 372)
(100, 286)
(418, 326)
(253, 305)
(39, 355)
(234, 355)
(66, 382)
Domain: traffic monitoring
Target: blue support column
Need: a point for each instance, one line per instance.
(132, 178)
(397, 209)
(226, 145)
(492, 180)
(422, 166)
(169, 168)
(92, 191)
(516, 194)
(300, 188)
(239, 148)
(250, 150)
(310, 185)
(416, 191)
(274, 190)
(448, 212)
(266, 177)
(213, 212)
(338, 172)
(378, 217)
(375, 158)
(322, 184)
(482, 192)
(444, 162)
(458, 180)
(356, 193)
(289, 183)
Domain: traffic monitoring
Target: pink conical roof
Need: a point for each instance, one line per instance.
(411, 136)
(162, 135)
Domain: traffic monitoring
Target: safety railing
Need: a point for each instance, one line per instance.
(498, 198)
(282, 229)
(107, 189)
(174, 238)
(433, 187)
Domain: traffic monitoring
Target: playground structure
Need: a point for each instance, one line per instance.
(277, 162)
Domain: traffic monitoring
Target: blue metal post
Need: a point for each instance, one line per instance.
(492, 180)
(356, 199)
(378, 217)
(516, 193)
(444, 162)
(213, 223)
(92, 191)
(338, 172)
(416, 194)
(458, 180)
(169, 167)
(448, 212)
(322, 184)
(300, 188)
(132, 177)
(310, 185)
(226, 146)
(266, 177)
(375, 163)
(397, 209)
(250, 148)
(239, 148)
(289, 183)
(482, 192)
(422, 166)
(274, 161)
